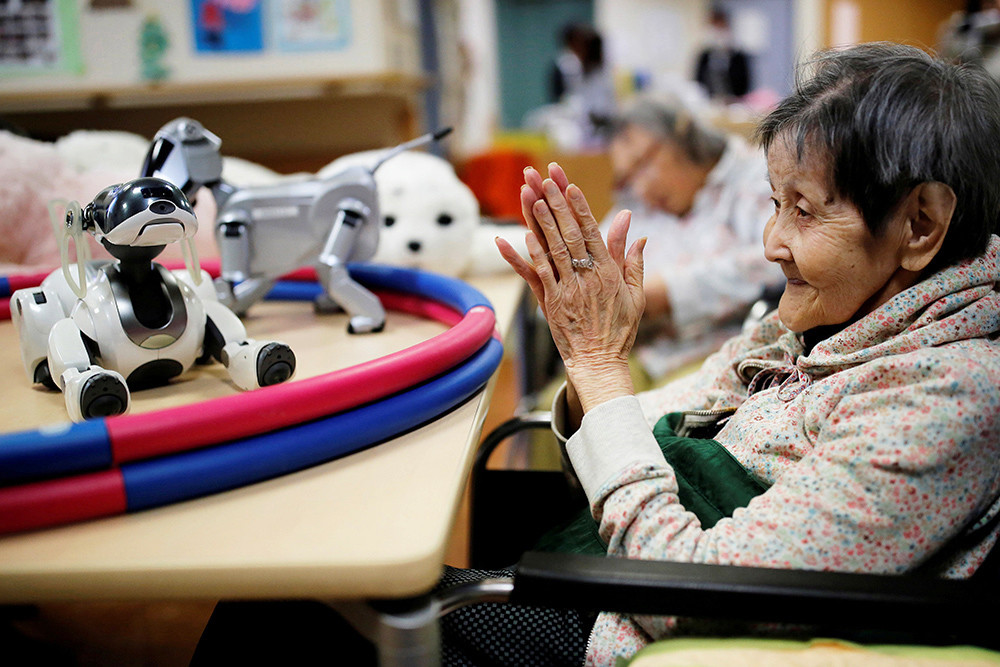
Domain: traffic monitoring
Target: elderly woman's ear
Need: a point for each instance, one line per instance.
(929, 208)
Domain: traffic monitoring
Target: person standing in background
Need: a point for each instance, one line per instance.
(973, 36)
(581, 83)
(723, 70)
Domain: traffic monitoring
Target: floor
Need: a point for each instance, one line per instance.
(163, 634)
(98, 634)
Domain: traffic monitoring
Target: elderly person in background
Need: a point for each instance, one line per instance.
(701, 199)
(865, 409)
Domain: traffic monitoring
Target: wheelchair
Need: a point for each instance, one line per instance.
(899, 609)
(506, 522)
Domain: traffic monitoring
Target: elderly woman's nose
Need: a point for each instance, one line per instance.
(775, 240)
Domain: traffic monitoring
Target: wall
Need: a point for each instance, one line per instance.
(657, 37)
(914, 22)
(382, 37)
(529, 39)
(766, 30)
(290, 111)
(479, 74)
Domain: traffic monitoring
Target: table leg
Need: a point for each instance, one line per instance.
(405, 632)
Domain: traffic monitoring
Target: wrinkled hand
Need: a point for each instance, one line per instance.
(593, 313)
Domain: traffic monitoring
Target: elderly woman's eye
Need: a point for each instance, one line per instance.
(800, 212)
(777, 206)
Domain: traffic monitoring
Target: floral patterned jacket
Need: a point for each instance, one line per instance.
(881, 447)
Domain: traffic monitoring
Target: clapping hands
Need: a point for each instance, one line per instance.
(590, 292)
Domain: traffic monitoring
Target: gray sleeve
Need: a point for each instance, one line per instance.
(613, 436)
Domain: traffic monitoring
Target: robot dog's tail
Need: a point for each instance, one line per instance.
(413, 143)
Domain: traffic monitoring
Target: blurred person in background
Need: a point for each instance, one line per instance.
(702, 199)
(582, 93)
(973, 36)
(723, 70)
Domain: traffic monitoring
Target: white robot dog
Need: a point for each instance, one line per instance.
(131, 323)
(264, 232)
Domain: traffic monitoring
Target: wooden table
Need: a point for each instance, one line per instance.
(370, 525)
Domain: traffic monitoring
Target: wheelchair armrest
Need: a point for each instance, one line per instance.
(887, 602)
(510, 508)
(517, 423)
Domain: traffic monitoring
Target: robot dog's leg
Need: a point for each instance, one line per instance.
(239, 297)
(235, 287)
(233, 238)
(89, 390)
(249, 292)
(366, 311)
(251, 363)
(34, 312)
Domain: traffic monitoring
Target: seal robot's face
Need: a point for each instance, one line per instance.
(144, 212)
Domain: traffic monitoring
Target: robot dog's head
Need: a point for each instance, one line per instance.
(186, 154)
(142, 213)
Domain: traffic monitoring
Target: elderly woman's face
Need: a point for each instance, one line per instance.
(836, 270)
(655, 169)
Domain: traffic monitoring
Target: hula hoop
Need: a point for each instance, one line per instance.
(10, 284)
(156, 482)
(72, 448)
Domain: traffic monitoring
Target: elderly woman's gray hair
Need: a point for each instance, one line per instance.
(670, 120)
(889, 117)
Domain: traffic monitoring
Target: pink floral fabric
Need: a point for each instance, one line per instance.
(881, 446)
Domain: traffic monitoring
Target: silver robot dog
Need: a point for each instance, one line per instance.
(263, 232)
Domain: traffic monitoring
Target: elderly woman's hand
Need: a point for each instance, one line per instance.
(590, 293)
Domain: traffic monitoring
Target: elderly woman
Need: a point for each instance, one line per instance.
(701, 198)
(859, 424)
(866, 407)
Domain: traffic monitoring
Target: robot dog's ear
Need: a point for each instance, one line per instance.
(86, 219)
(72, 229)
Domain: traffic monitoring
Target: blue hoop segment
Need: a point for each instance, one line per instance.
(220, 466)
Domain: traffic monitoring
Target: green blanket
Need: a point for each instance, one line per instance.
(711, 485)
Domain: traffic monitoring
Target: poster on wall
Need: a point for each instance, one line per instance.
(223, 26)
(39, 36)
(308, 25)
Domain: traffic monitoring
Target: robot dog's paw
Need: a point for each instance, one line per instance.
(95, 393)
(255, 364)
(275, 364)
(324, 305)
(103, 396)
(361, 324)
(43, 376)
